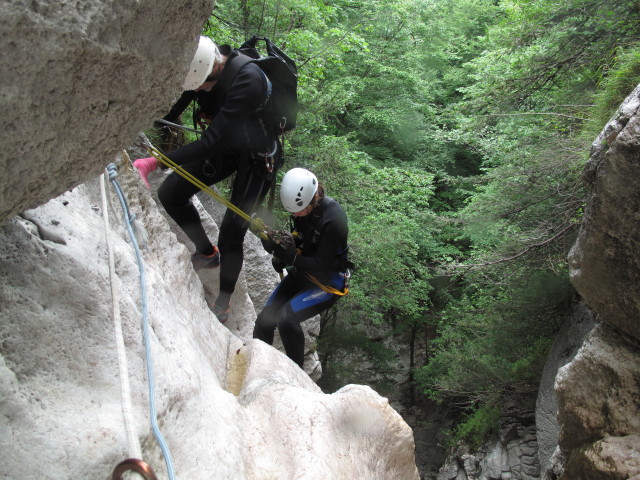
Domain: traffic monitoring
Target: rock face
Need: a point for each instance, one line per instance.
(229, 407)
(599, 407)
(605, 265)
(564, 349)
(513, 455)
(78, 80)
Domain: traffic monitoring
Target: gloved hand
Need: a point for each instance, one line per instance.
(285, 250)
(145, 166)
(267, 244)
(278, 265)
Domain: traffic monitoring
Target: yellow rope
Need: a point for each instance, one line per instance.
(256, 224)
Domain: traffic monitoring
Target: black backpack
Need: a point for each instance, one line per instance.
(281, 108)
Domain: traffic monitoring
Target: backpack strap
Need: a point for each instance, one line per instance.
(231, 69)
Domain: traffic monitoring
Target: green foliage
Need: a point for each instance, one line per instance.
(493, 338)
(453, 132)
(616, 85)
(475, 427)
(545, 49)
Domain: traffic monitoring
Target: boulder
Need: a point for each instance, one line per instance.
(78, 80)
(598, 391)
(604, 261)
(227, 407)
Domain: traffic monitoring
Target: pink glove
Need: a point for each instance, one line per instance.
(145, 166)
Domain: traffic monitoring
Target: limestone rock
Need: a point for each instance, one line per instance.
(228, 408)
(78, 80)
(604, 261)
(513, 455)
(567, 343)
(612, 458)
(598, 391)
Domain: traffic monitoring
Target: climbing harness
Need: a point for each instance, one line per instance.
(128, 219)
(325, 288)
(255, 224)
(133, 465)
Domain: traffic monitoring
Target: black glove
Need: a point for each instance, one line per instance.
(286, 252)
(267, 244)
(278, 265)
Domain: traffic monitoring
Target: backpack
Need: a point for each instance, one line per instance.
(281, 107)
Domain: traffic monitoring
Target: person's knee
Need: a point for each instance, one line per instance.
(231, 236)
(264, 328)
(169, 195)
(165, 193)
(288, 324)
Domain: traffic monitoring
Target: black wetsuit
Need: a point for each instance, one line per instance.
(322, 239)
(233, 142)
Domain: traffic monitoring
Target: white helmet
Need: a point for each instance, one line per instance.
(207, 55)
(297, 189)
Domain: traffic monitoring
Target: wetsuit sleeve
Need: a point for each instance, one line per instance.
(333, 235)
(245, 95)
(180, 106)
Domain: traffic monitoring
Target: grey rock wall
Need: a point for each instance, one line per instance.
(598, 402)
(605, 265)
(78, 80)
(564, 348)
(513, 455)
(228, 406)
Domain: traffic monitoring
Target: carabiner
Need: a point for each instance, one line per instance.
(347, 276)
(134, 465)
(268, 163)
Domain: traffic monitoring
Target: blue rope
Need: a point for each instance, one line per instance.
(129, 218)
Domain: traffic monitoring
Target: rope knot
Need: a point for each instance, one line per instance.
(112, 170)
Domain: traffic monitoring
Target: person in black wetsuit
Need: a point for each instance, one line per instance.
(238, 140)
(316, 256)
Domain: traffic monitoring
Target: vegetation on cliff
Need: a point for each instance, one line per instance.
(454, 134)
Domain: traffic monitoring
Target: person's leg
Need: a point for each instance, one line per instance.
(307, 303)
(249, 189)
(268, 318)
(175, 195)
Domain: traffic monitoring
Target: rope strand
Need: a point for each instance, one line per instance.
(111, 169)
(256, 224)
(132, 439)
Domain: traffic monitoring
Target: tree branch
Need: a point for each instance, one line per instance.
(531, 113)
(558, 235)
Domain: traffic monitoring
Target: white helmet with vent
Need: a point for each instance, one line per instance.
(207, 55)
(298, 189)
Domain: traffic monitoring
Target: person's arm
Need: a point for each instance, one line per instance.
(245, 95)
(183, 102)
(325, 256)
(332, 236)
